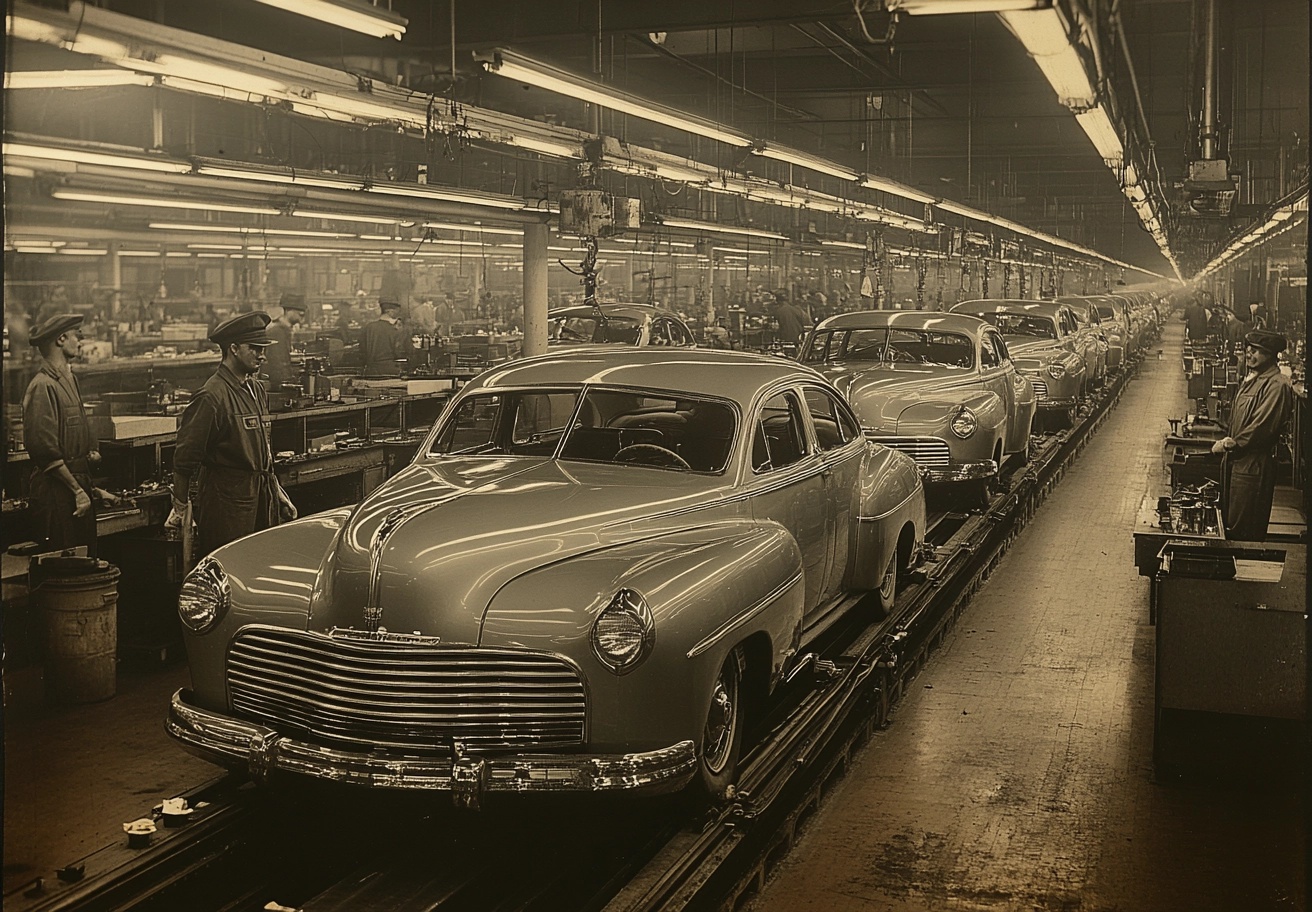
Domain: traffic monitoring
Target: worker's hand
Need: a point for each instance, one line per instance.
(286, 509)
(93, 458)
(81, 502)
(107, 498)
(177, 515)
(1223, 445)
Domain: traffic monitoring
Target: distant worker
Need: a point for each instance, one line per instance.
(1195, 321)
(223, 445)
(278, 356)
(381, 343)
(60, 442)
(793, 320)
(1261, 407)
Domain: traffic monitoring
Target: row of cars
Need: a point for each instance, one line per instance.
(601, 562)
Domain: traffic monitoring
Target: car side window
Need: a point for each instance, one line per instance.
(660, 332)
(779, 439)
(988, 356)
(999, 347)
(833, 425)
(679, 334)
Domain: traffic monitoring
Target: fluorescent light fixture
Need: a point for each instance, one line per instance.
(533, 72)
(885, 185)
(1049, 42)
(803, 160)
(545, 146)
(170, 65)
(82, 251)
(1102, 133)
(113, 200)
(348, 217)
(930, 7)
(358, 17)
(692, 224)
(74, 79)
(90, 157)
(851, 245)
(738, 251)
(963, 211)
(237, 229)
(276, 177)
(139, 253)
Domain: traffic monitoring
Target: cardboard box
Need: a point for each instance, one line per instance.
(126, 427)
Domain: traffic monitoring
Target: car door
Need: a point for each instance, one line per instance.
(788, 484)
(992, 373)
(839, 442)
(1020, 402)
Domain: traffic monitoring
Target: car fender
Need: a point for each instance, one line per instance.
(708, 589)
(932, 418)
(271, 575)
(892, 497)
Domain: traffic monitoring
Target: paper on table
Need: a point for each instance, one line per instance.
(1258, 571)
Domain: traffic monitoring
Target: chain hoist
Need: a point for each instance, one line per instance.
(984, 280)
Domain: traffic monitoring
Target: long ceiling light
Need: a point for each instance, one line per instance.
(358, 17)
(928, 7)
(240, 229)
(544, 76)
(694, 225)
(874, 182)
(74, 79)
(92, 157)
(475, 229)
(1098, 126)
(161, 202)
(1048, 40)
(1285, 215)
(803, 160)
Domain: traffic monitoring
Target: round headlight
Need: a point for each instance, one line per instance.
(964, 423)
(623, 634)
(1056, 371)
(204, 596)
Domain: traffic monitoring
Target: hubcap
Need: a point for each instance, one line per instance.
(718, 738)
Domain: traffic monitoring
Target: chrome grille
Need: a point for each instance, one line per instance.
(401, 695)
(1040, 388)
(931, 452)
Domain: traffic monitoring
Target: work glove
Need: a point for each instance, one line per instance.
(177, 515)
(286, 509)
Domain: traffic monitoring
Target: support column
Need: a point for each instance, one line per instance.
(114, 279)
(535, 289)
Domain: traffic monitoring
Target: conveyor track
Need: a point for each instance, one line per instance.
(320, 852)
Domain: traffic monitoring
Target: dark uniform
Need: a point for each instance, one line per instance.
(278, 366)
(1195, 321)
(381, 345)
(56, 432)
(1260, 410)
(223, 445)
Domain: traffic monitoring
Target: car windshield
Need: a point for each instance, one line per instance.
(589, 328)
(656, 429)
(891, 344)
(1011, 324)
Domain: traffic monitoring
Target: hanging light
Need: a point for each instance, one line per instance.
(358, 17)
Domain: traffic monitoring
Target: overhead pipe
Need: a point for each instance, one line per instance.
(1209, 128)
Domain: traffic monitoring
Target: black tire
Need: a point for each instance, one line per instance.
(887, 591)
(722, 733)
(979, 493)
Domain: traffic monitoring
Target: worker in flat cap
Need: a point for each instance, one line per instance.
(223, 447)
(278, 356)
(384, 343)
(1260, 410)
(60, 441)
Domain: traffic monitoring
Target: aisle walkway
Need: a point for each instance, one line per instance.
(1017, 772)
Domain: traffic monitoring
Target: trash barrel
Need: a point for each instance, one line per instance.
(79, 600)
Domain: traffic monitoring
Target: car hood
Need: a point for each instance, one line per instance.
(427, 551)
(880, 393)
(1028, 352)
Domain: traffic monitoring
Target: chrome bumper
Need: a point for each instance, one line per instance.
(1064, 403)
(261, 751)
(966, 471)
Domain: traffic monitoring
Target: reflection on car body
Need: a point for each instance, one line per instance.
(598, 562)
(617, 324)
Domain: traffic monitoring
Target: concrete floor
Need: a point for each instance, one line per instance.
(1017, 773)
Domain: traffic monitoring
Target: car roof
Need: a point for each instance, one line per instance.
(904, 319)
(613, 309)
(1042, 308)
(723, 374)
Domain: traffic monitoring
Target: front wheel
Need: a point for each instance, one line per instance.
(722, 734)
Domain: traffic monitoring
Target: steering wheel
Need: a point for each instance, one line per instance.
(896, 354)
(651, 454)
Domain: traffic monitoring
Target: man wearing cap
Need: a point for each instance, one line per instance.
(223, 444)
(1260, 410)
(59, 440)
(278, 357)
(381, 343)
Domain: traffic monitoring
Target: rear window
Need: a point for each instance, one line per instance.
(593, 329)
(1010, 324)
(891, 345)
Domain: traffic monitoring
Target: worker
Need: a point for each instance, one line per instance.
(381, 343)
(793, 320)
(1195, 321)
(60, 441)
(278, 360)
(1259, 412)
(223, 444)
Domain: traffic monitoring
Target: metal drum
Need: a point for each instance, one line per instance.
(79, 599)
